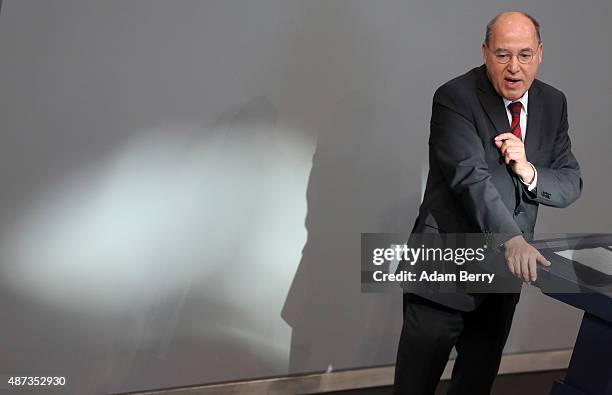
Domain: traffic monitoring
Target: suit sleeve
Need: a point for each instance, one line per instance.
(459, 152)
(560, 184)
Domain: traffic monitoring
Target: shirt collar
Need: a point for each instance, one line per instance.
(524, 101)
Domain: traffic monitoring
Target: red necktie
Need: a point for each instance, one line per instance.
(515, 111)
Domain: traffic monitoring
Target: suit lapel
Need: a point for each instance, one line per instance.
(492, 103)
(534, 120)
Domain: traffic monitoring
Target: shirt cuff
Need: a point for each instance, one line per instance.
(532, 186)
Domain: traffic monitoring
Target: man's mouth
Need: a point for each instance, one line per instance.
(512, 82)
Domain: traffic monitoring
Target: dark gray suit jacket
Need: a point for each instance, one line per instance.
(469, 188)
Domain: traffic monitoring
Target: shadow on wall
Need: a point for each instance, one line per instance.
(119, 316)
(189, 309)
(216, 318)
(334, 325)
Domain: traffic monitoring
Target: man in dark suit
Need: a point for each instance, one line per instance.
(498, 148)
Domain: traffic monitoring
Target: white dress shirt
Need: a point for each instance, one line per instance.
(523, 121)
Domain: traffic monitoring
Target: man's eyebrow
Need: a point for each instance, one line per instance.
(499, 50)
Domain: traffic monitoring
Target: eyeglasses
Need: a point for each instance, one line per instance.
(524, 57)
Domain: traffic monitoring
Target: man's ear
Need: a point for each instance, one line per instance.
(484, 53)
(540, 49)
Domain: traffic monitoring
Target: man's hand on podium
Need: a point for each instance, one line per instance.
(522, 259)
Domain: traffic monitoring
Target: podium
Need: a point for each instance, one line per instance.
(574, 279)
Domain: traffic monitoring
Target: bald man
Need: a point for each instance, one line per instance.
(498, 148)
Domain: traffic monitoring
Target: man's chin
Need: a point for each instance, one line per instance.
(512, 94)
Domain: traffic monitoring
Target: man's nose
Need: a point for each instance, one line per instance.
(513, 65)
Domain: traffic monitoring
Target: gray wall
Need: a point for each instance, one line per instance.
(184, 183)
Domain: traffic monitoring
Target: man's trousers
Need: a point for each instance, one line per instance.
(430, 331)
